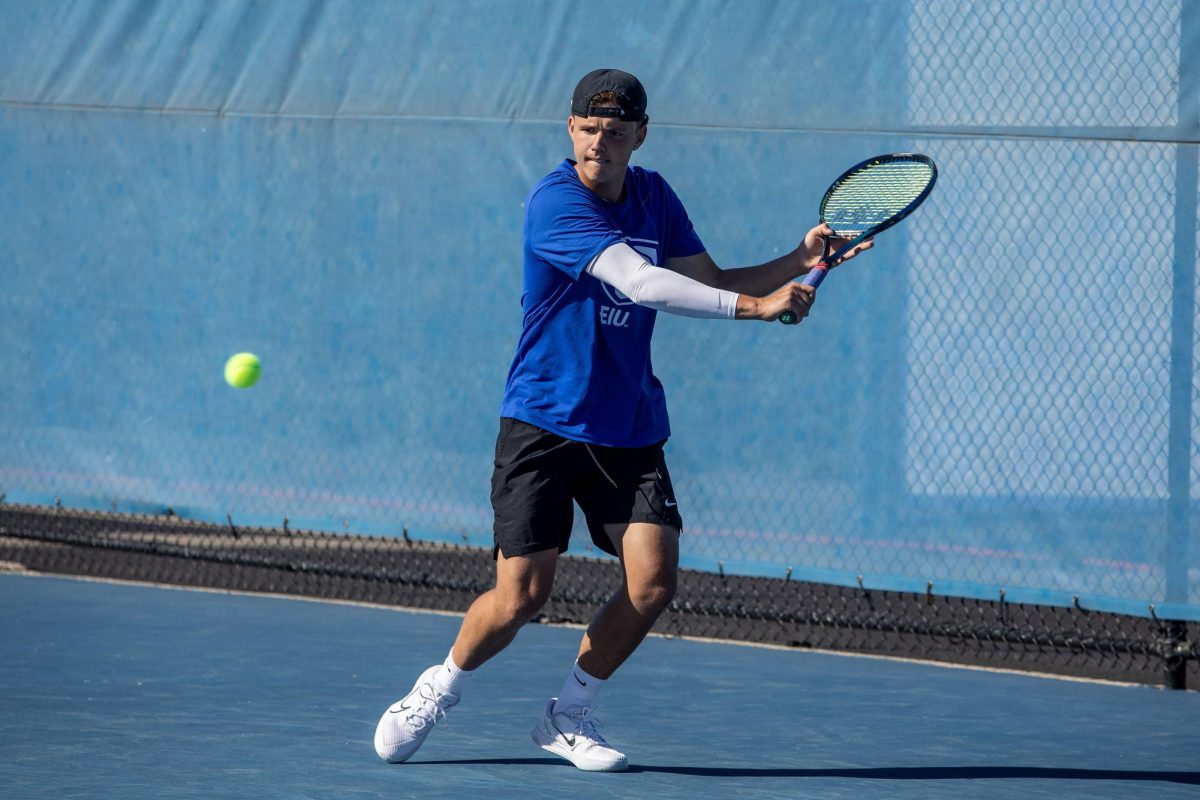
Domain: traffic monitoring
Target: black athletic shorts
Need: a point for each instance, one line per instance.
(538, 473)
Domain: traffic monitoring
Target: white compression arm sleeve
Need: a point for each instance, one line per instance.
(645, 284)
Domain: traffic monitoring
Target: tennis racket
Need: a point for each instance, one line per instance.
(868, 198)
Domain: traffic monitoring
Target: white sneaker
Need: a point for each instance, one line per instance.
(573, 736)
(403, 727)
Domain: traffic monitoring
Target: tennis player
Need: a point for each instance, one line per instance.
(584, 419)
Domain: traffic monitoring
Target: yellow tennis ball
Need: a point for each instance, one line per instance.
(242, 370)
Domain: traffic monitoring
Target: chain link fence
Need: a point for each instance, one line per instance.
(982, 446)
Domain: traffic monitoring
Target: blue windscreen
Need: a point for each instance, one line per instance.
(1001, 395)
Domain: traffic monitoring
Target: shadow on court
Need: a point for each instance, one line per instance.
(866, 773)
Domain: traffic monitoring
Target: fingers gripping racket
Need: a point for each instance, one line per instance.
(868, 198)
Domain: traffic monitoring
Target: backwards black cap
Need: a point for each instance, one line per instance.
(630, 94)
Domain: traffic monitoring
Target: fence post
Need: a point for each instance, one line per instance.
(1183, 312)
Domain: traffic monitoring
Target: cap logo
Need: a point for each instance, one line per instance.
(604, 111)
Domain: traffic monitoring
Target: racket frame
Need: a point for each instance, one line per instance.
(819, 270)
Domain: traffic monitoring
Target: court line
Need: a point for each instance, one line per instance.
(580, 626)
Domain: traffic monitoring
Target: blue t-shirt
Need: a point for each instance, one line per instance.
(582, 368)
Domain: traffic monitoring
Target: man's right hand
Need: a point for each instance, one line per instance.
(794, 297)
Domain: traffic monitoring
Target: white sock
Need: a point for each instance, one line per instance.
(451, 679)
(579, 691)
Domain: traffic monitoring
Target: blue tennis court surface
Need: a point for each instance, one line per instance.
(121, 691)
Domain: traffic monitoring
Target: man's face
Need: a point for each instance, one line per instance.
(603, 147)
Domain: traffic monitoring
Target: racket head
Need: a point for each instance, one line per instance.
(877, 193)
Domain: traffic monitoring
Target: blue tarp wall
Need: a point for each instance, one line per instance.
(1001, 396)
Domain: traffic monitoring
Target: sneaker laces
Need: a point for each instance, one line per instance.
(586, 725)
(433, 707)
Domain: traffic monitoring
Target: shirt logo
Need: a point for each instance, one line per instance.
(615, 317)
(616, 295)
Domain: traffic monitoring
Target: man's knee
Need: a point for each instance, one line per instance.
(652, 596)
(523, 585)
(520, 607)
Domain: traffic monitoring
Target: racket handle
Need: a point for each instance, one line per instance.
(813, 279)
(815, 275)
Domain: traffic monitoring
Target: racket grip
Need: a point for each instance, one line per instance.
(815, 276)
(813, 279)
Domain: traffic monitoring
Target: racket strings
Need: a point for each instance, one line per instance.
(874, 194)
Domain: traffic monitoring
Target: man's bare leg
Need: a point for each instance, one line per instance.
(650, 559)
(523, 585)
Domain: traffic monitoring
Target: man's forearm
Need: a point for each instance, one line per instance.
(761, 280)
(645, 284)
